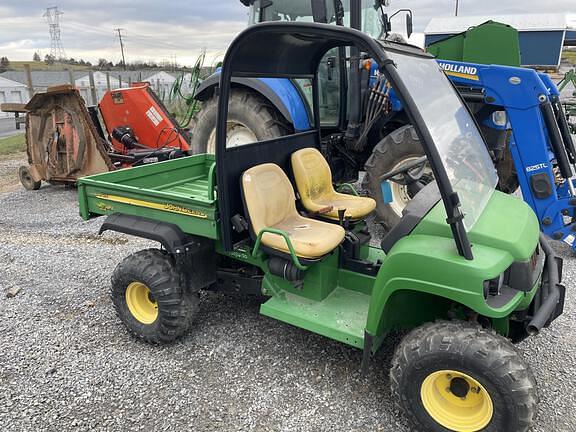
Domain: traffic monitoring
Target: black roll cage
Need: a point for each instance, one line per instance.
(294, 50)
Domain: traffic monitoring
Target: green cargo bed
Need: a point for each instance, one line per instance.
(179, 191)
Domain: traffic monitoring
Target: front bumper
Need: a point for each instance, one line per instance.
(548, 302)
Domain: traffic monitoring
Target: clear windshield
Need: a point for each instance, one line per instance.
(301, 10)
(461, 147)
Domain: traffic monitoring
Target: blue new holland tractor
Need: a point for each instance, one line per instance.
(365, 127)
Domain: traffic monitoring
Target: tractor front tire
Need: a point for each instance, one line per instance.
(457, 376)
(27, 180)
(400, 146)
(251, 118)
(150, 298)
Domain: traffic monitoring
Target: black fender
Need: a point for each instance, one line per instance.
(194, 256)
(207, 88)
(170, 236)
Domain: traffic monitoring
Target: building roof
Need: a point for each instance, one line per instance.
(5, 82)
(524, 22)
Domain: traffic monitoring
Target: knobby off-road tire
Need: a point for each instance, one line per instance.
(399, 146)
(163, 313)
(26, 179)
(251, 118)
(452, 355)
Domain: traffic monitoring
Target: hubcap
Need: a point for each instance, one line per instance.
(456, 401)
(237, 134)
(141, 303)
(401, 195)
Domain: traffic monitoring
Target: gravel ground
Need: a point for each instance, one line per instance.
(9, 165)
(67, 363)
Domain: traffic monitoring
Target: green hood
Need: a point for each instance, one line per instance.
(507, 224)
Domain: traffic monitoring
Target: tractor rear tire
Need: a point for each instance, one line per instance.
(401, 145)
(453, 376)
(27, 180)
(150, 299)
(251, 118)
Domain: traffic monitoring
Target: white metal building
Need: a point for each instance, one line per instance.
(12, 92)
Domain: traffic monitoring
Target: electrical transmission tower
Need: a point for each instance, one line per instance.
(52, 16)
(119, 30)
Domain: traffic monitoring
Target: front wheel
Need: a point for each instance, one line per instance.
(150, 299)
(456, 376)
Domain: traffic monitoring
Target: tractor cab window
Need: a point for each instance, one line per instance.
(328, 89)
(285, 10)
(301, 10)
(371, 17)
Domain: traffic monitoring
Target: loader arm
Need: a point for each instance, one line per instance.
(540, 144)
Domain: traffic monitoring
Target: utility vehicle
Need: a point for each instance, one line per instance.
(264, 218)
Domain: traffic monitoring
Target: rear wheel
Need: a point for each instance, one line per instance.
(27, 180)
(150, 299)
(251, 118)
(395, 150)
(456, 376)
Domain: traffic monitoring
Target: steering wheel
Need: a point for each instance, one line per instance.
(408, 173)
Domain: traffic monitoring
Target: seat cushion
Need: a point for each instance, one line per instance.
(270, 201)
(309, 237)
(356, 207)
(314, 181)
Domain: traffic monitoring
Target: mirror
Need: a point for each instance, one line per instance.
(387, 22)
(409, 24)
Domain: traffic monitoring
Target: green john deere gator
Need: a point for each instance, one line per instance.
(465, 269)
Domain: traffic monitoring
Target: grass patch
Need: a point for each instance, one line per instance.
(13, 144)
(569, 56)
(41, 66)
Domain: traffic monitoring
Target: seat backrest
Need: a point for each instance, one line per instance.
(312, 175)
(268, 196)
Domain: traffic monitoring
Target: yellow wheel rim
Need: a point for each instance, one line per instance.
(140, 303)
(456, 401)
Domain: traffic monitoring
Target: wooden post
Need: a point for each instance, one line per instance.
(129, 81)
(93, 88)
(29, 80)
(119, 81)
(158, 85)
(71, 77)
(108, 81)
(140, 76)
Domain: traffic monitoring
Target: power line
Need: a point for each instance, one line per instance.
(119, 30)
(52, 16)
(77, 26)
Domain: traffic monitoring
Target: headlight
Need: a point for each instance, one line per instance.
(500, 118)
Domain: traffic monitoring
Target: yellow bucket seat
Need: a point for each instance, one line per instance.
(314, 182)
(270, 202)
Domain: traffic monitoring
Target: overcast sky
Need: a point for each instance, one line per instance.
(157, 30)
